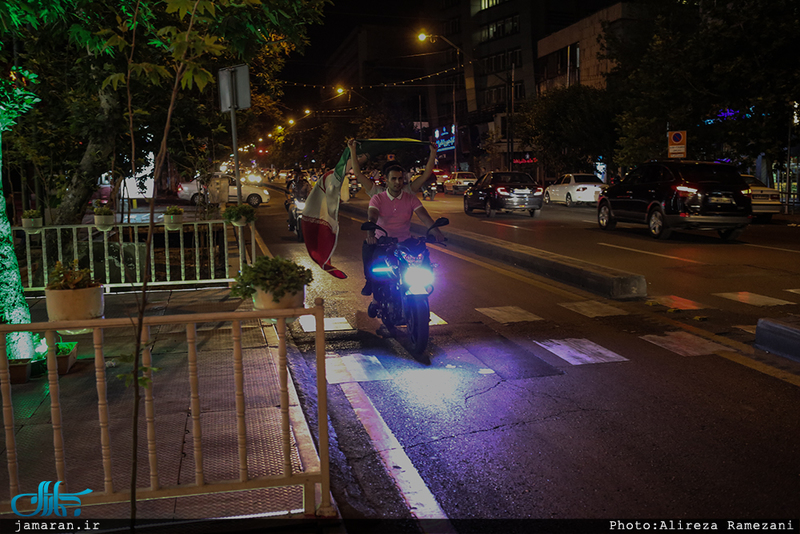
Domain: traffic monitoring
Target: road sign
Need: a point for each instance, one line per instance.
(676, 144)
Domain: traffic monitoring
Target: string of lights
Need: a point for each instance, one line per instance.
(412, 80)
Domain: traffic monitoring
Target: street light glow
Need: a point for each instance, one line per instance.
(307, 111)
(422, 36)
(340, 90)
(291, 121)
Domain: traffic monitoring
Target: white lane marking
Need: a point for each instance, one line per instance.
(309, 323)
(678, 303)
(749, 328)
(773, 248)
(435, 319)
(507, 225)
(653, 253)
(793, 291)
(753, 299)
(508, 314)
(580, 351)
(684, 343)
(355, 368)
(421, 502)
(593, 308)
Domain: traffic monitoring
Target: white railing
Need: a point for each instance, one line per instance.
(121, 260)
(312, 473)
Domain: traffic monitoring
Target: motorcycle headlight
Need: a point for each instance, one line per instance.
(418, 280)
(300, 204)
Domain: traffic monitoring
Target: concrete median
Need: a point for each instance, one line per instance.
(604, 281)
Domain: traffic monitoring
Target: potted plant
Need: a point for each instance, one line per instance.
(32, 221)
(240, 214)
(66, 356)
(72, 294)
(173, 218)
(104, 217)
(273, 283)
(19, 370)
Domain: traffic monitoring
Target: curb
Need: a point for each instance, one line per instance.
(779, 336)
(604, 281)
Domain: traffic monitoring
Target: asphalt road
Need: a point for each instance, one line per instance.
(546, 402)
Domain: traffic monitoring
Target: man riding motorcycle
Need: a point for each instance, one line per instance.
(392, 211)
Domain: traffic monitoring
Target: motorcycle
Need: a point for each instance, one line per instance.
(295, 209)
(355, 187)
(402, 279)
(429, 191)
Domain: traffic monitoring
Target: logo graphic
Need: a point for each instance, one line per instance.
(48, 503)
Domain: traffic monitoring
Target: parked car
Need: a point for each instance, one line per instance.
(459, 182)
(766, 200)
(572, 189)
(504, 191)
(192, 191)
(679, 195)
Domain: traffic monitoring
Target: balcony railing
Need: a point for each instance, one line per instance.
(198, 254)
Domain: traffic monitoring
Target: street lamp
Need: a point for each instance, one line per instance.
(433, 38)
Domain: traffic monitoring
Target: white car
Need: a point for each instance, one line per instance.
(253, 195)
(459, 182)
(766, 200)
(574, 188)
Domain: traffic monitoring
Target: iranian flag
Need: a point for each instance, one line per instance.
(321, 215)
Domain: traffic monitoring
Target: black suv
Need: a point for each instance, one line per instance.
(683, 195)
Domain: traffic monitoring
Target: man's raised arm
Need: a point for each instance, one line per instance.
(417, 183)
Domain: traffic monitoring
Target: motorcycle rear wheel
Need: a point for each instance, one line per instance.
(419, 318)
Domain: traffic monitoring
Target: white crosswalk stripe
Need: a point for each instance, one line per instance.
(684, 343)
(593, 308)
(753, 299)
(678, 303)
(580, 351)
(355, 368)
(508, 314)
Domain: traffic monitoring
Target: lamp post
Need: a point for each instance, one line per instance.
(433, 38)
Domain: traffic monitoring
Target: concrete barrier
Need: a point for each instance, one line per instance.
(779, 336)
(604, 281)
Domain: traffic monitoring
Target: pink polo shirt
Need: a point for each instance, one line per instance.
(395, 213)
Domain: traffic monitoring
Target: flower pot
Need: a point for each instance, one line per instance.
(32, 226)
(66, 361)
(262, 300)
(173, 222)
(19, 370)
(241, 221)
(105, 223)
(73, 305)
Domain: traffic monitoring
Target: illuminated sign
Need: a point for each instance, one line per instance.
(445, 138)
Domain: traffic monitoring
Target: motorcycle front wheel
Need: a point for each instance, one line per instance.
(299, 230)
(419, 318)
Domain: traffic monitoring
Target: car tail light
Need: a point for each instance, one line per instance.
(503, 191)
(747, 192)
(539, 191)
(180, 188)
(582, 188)
(685, 191)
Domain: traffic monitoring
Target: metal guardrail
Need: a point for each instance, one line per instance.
(117, 257)
(108, 494)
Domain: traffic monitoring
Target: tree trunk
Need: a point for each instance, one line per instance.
(13, 308)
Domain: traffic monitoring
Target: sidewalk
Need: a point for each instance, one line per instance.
(173, 422)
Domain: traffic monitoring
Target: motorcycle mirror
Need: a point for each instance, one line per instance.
(441, 221)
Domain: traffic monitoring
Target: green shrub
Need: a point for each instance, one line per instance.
(100, 209)
(277, 275)
(173, 210)
(31, 214)
(236, 212)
